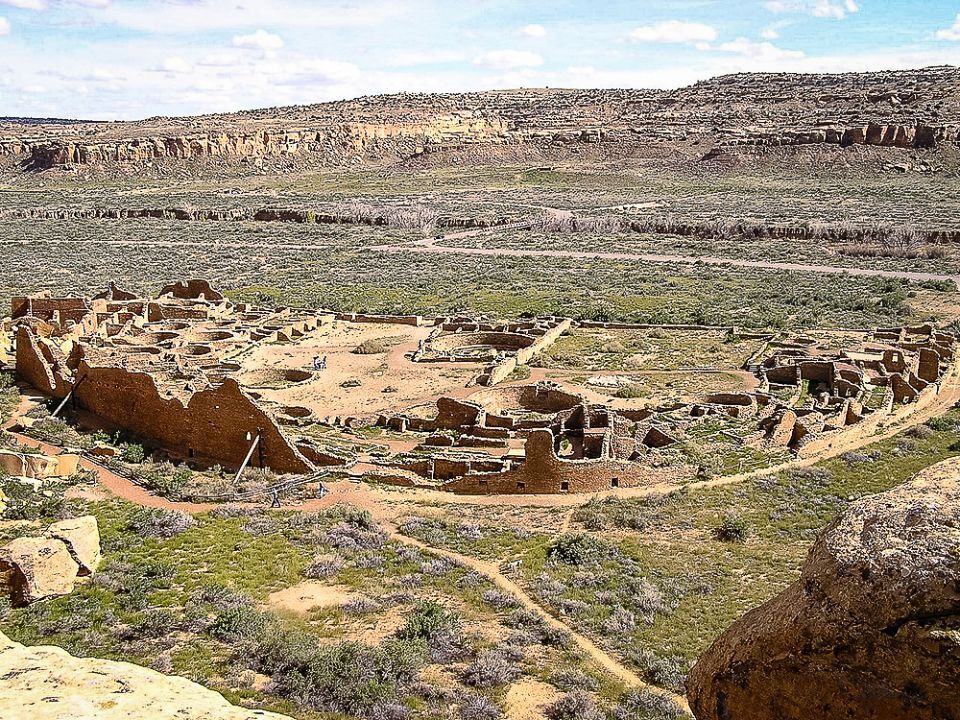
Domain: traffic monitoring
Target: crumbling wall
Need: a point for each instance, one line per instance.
(543, 472)
(38, 366)
(49, 309)
(212, 427)
(191, 290)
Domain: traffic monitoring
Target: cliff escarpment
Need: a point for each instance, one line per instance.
(909, 109)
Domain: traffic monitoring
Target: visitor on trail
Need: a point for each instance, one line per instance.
(323, 363)
(274, 499)
(316, 363)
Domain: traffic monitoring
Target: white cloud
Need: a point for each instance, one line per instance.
(765, 51)
(260, 40)
(192, 16)
(313, 72)
(838, 9)
(534, 31)
(45, 4)
(674, 31)
(174, 65)
(26, 4)
(950, 33)
(219, 59)
(4, 26)
(773, 30)
(509, 59)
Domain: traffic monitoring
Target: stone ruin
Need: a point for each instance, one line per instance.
(165, 370)
(815, 397)
(502, 346)
(160, 369)
(808, 399)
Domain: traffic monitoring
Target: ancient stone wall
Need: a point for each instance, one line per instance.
(542, 472)
(213, 426)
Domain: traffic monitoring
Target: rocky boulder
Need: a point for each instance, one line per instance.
(82, 538)
(870, 631)
(39, 568)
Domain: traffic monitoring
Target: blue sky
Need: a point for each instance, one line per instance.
(128, 59)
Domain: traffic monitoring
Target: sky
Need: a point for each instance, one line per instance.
(132, 59)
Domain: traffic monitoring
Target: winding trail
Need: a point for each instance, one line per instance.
(589, 648)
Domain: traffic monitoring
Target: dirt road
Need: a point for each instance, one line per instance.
(434, 248)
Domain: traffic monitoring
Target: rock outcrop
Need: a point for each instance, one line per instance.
(870, 631)
(47, 683)
(82, 538)
(909, 109)
(37, 568)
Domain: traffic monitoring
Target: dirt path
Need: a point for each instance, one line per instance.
(493, 572)
(435, 249)
(429, 246)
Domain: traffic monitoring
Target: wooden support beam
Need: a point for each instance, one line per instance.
(246, 460)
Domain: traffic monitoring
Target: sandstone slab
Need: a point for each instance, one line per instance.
(82, 538)
(47, 683)
(41, 568)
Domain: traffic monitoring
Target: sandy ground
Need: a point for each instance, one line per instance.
(408, 383)
(304, 597)
(528, 699)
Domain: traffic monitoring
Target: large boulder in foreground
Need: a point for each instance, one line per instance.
(870, 631)
(47, 683)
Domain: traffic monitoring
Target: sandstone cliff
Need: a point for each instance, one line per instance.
(909, 109)
(47, 683)
(870, 631)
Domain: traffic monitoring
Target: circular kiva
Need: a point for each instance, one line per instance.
(480, 341)
(525, 398)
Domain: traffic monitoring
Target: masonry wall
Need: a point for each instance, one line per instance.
(36, 367)
(212, 428)
(544, 473)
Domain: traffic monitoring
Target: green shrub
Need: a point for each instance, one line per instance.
(630, 392)
(733, 529)
(149, 522)
(576, 550)
(943, 424)
(133, 453)
(238, 623)
(348, 678)
(428, 621)
(25, 503)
